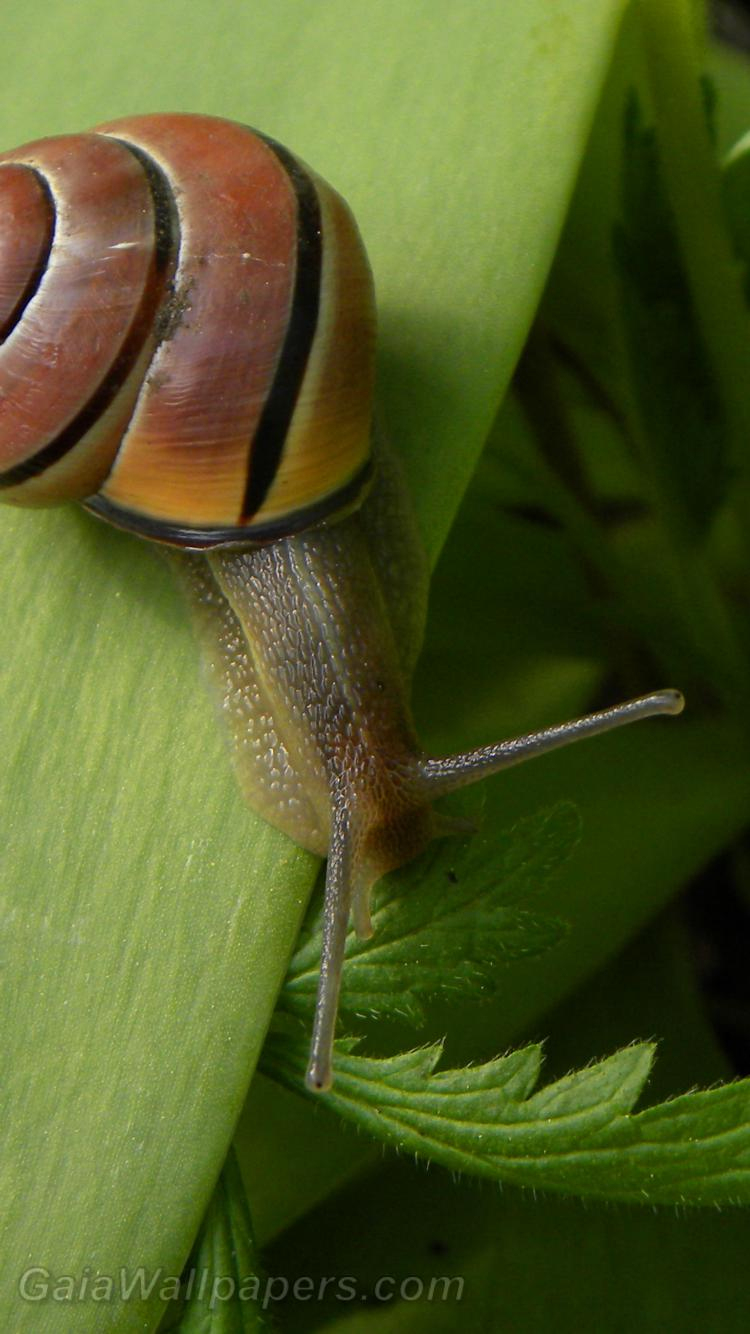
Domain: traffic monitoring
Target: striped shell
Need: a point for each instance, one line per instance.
(187, 326)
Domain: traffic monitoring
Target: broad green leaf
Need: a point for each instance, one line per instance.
(578, 1135)
(222, 1287)
(445, 924)
(123, 1076)
(148, 918)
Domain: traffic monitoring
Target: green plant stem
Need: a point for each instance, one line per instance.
(711, 624)
(701, 612)
(700, 605)
(693, 183)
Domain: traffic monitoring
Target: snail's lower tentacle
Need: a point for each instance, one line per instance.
(337, 907)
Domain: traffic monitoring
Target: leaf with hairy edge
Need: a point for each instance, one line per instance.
(444, 924)
(578, 1135)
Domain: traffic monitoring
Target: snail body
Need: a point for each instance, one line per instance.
(188, 320)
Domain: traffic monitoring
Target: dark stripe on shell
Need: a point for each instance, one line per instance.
(166, 247)
(268, 442)
(199, 539)
(35, 278)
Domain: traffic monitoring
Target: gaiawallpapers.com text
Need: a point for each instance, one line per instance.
(40, 1284)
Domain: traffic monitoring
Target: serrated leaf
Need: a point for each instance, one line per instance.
(682, 426)
(446, 922)
(578, 1136)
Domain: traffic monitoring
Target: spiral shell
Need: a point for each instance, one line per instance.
(187, 325)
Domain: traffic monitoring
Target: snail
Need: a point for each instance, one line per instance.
(188, 329)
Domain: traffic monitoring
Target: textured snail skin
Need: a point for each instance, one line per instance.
(188, 323)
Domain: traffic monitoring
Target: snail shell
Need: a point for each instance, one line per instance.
(188, 332)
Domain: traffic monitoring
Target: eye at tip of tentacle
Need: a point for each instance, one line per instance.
(319, 1077)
